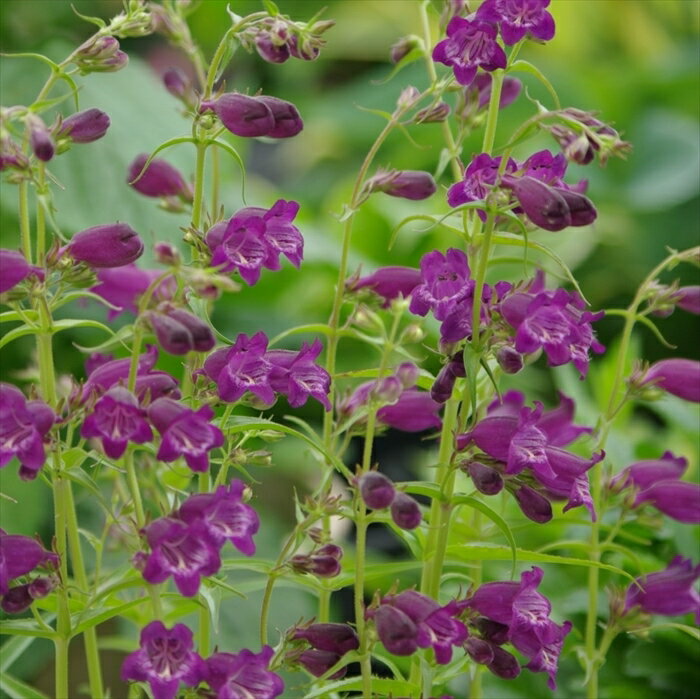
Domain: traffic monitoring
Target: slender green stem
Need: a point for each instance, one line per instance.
(360, 551)
(215, 181)
(63, 625)
(132, 480)
(492, 115)
(40, 216)
(198, 200)
(484, 253)
(24, 223)
(61, 668)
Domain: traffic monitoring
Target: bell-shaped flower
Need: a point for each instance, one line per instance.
(181, 550)
(244, 674)
(388, 283)
(166, 660)
(19, 556)
(224, 515)
(470, 44)
(108, 245)
(518, 19)
(159, 179)
(23, 427)
(185, 432)
(669, 592)
(14, 268)
(297, 376)
(480, 90)
(643, 474)
(117, 419)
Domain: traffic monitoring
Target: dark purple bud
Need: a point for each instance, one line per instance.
(486, 480)
(581, 208)
(242, 115)
(269, 50)
(334, 638)
(108, 245)
(11, 155)
(377, 490)
(492, 631)
(396, 630)
(84, 127)
(406, 184)
(479, 651)
(434, 114)
(680, 377)
(533, 505)
(320, 566)
(441, 390)
(40, 587)
(331, 550)
(318, 662)
(17, 600)
(173, 336)
(202, 336)
(689, 299)
(544, 206)
(304, 48)
(288, 123)
(405, 511)
(14, 268)
(510, 360)
(40, 139)
(402, 48)
(504, 664)
(178, 84)
(160, 179)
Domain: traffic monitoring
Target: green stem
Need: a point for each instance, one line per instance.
(40, 217)
(24, 224)
(215, 181)
(134, 487)
(63, 625)
(61, 668)
(492, 116)
(484, 253)
(360, 551)
(198, 200)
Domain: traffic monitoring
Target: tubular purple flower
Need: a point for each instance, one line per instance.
(20, 555)
(414, 411)
(479, 178)
(40, 139)
(84, 127)
(376, 490)
(679, 377)
(159, 179)
(181, 550)
(334, 638)
(510, 90)
(519, 18)
(185, 432)
(471, 44)
(287, 121)
(23, 427)
(202, 336)
(225, 516)
(405, 511)
(318, 662)
(677, 499)
(117, 420)
(396, 630)
(486, 480)
(242, 115)
(669, 592)
(172, 335)
(533, 505)
(405, 184)
(108, 245)
(243, 674)
(688, 298)
(178, 84)
(388, 283)
(643, 474)
(14, 268)
(166, 660)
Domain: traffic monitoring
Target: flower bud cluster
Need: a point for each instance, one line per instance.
(324, 645)
(378, 493)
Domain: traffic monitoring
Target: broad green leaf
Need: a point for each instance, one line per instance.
(521, 66)
(16, 689)
(482, 552)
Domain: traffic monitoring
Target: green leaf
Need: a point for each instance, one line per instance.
(16, 689)
(75, 295)
(482, 552)
(16, 333)
(476, 504)
(98, 616)
(311, 328)
(25, 627)
(10, 316)
(121, 337)
(690, 630)
(13, 649)
(521, 66)
(380, 687)
(234, 154)
(271, 7)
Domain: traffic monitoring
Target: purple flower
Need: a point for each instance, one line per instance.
(479, 178)
(84, 127)
(108, 245)
(185, 551)
(510, 90)
(243, 674)
(287, 121)
(669, 592)
(297, 376)
(405, 184)
(519, 18)
(470, 45)
(20, 597)
(224, 515)
(414, 411)
(117, 419)
(675, 498)
(679, 377)
(14, 268)
(319, 662)
(20, 555)
(254, 238)
(405, 511)
(178, 84)
(334, 638)
(525, 612)
(23, 427)
(123, 286)
(388, 283)
(185, 432)
(545, 167)
(688, 298)
(643, 474)
(40, 139)
(166, 660)
(179, 331)
(410, 620)
(377, 490)
(160, 179)
(555, 322)
(242, 368)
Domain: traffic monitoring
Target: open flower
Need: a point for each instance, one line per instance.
(388, 283)
(166, 660)
(519, 18)
(19, 556)
(243, 674)
(14, 268)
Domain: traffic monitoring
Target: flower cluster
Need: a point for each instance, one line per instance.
(248, 366)
(378, 493)
(325, 644)
(166, 660)
(522, 449)
(186, 544)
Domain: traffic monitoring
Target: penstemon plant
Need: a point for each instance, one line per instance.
(156, 449)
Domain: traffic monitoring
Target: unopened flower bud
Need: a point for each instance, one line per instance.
(581, 208)
(433, 114)
(679, 377)
(413, 333)
(159, 179)
(486, 480)
(510, 360)
(408, 97)
(491, 630)
(271, 51)
(202, 336)
(167, 254)
(441, 390)
(172, 335)
(40, 587)
(406, 184)
(318, 662)
(335, 638)
(542, 204)
(480, 651)
(84, 127)
(40, 139)
(242, 115)
(407, 373)
(288, 122)
(320, 566)
(533, 505)
(504, 664)
(377, 490)
(322, 26)
(405, 511)
(304, 47)
(688, 298)
(387, 390)
(10, 154)
(100, 54)
(402, 48)
(108, 245)
(178, 84)
(16, 600)
(14, 268)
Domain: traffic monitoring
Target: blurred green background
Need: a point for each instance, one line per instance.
(636, 62)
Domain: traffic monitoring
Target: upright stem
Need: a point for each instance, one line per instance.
(198, 200)
(134, 487)
(63, 625)
(24, 223)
